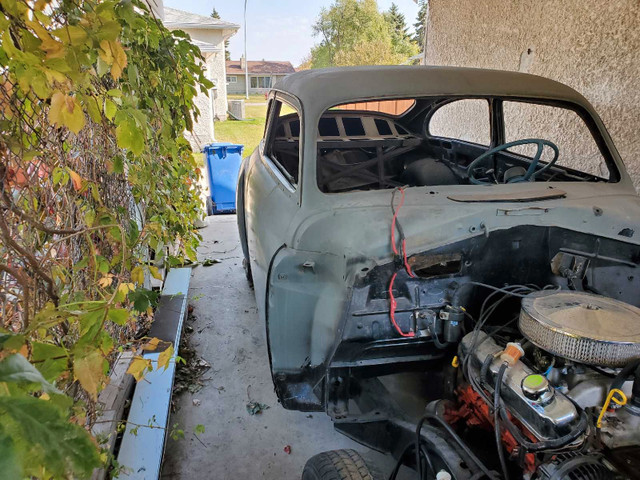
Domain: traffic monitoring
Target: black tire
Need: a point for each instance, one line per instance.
(337, 465)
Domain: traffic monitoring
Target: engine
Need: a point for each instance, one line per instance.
(561, 391)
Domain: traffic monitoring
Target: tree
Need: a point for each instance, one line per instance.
(227, 54)
(396, 20)
(402, 43)
(354, 32)
(418, 37)
(305, 63)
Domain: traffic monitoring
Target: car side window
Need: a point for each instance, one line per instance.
(466, 120)
(283, 147)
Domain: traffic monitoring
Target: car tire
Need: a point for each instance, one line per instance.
(209, 206)
(337, 465)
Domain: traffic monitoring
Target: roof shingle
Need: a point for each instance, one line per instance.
(174, 18)
(279, 68)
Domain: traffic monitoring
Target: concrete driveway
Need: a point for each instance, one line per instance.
(228, 335)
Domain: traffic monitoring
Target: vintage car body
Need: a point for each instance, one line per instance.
(321, 262)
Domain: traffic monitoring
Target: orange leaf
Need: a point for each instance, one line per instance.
(76, 179)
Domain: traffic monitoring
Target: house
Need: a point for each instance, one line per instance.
(209, 35)
(262, 75)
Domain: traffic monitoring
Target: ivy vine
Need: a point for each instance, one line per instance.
(98, 187)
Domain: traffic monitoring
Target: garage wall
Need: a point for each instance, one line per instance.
(591, 45)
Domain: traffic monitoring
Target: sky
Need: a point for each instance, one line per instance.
(276, 29)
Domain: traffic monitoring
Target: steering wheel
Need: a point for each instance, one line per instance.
(531, 171)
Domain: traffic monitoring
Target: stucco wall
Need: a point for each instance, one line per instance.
(591, 45)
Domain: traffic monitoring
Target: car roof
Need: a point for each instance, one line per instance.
(326, 87)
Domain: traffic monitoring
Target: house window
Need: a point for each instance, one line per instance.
(260, 82)
(232, 79)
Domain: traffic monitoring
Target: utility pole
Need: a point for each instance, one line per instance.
(246, 62)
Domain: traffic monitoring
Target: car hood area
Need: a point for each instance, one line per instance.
(432, 218)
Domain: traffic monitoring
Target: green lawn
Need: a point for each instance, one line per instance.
(248, 132)
(258, 98)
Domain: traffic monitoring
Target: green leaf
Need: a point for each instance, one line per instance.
(109, 109)
(143, 299)
(48, 317)
(199, 429)
(118, 315)
(44, 436)
(118, 164)
(9, 463)
(11, 342)
(17, 369)
(102, 67)
(108, 31)
(90, 326)
(93, 108)
(129, 136)
(50, 360)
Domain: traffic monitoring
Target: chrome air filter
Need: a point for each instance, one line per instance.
(582, 327)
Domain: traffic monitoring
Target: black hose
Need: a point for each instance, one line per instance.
(427, 457)
(396, 469)
(462, 445)
(624, 374)
(418, 449)
(394, 473)
(496, 419)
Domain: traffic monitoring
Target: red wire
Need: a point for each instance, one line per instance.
(392, 310)
(407, 267)
(393, 223)
(404, 241)
(392, 301)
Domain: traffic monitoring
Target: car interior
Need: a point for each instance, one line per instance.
(444, 141)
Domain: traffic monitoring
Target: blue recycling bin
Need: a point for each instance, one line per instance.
(223, 165)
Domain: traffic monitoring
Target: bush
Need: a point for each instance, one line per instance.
(95, 173)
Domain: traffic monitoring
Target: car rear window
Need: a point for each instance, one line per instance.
(352, 126)
(328, 127)
(383, 126)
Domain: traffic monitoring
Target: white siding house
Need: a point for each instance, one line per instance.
(208, 34)
(262, 75)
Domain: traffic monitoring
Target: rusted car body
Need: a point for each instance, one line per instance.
(370, 240)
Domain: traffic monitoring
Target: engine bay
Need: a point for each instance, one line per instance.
(527, 343)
